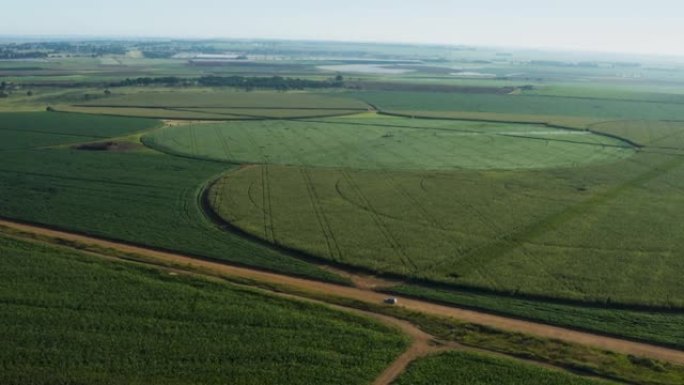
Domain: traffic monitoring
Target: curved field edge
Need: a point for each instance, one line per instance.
(136, 197)
(377, 142)
(470, 368)
(69, 317)
(656, 325)
(560, 122)
(194, 114)
(311, 210)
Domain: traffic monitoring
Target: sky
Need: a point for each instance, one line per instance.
(648, 27)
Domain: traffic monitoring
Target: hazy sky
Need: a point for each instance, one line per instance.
(655, 26)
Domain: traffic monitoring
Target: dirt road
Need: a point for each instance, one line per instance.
(509, 324)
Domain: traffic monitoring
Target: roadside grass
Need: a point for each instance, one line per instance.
(576, 358)
(477, 369)
(71, 318)
(660, 327)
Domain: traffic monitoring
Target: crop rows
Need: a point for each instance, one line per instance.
(68, 318)
(393, 143)
(466, 368)
(549, 229)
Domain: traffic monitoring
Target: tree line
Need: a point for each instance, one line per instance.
(247, 83)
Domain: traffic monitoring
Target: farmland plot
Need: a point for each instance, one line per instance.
(69, 318)
(221, 105)
(568, 233)
(127, 196)
(390, 143)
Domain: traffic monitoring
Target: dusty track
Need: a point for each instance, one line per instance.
(366, 295)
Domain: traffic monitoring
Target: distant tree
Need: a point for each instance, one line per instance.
(4, 94)
(49, 109)
(339, 78)
(107, 92)
(3, 85)
(29, 93)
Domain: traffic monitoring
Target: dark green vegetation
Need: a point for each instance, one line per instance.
(474, 369)
(391, 143)
(69, 318)
(24, 131)
(241, 82)
(573, 357)
(144, 198)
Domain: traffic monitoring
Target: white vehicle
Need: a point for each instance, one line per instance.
(391, 301)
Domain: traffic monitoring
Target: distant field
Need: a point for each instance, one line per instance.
(69, 318)
(220, 105)
(231, 99)
(475, 369)
(205, 113)
(379, 142)
(606, 109)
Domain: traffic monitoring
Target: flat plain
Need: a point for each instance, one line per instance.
(543, 190)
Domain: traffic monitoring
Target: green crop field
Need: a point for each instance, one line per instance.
(475, 369)
(439, 225)
(129, 196)
(378, 142)
(67, 318)
(219, 105)
(532, 185)
(34, 130)
(606, 109)
(584, 223)
(662, 327)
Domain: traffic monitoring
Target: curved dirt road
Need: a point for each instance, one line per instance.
(366, 295)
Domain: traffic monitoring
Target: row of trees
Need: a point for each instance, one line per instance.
(244, 82)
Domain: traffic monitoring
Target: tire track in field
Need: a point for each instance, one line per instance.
(500, 235)
(323, 222)
(480, 258)
(269, 229)
(423, 212)
(369, 210)
(223, 142)
(193, 141)
(386, 233)
(332, 244)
